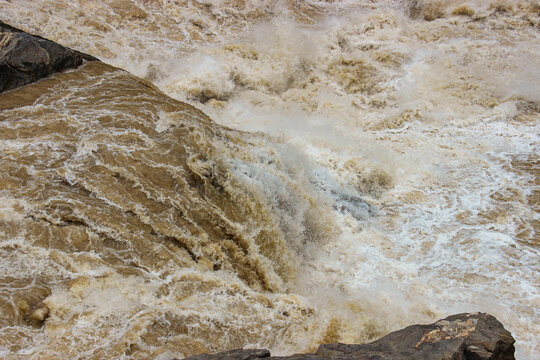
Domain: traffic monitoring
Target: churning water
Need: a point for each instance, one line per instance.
(345, 169)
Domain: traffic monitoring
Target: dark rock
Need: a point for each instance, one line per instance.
(475, 336)
(458, 337)
(311, 357)
(238, 354)
(26, 58)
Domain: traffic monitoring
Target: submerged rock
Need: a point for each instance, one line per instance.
(26, 58)
(39, 315)
(474, 336)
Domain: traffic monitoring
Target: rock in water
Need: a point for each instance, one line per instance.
(239, 354)
(26, 58)
(474, 336)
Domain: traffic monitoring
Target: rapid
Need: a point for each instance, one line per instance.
(277, 174)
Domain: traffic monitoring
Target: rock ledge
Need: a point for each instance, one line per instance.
(472, 336)
(26, 58)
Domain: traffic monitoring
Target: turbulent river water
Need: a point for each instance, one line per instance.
(279, 174)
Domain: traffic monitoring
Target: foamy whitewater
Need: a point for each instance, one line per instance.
(375, 165)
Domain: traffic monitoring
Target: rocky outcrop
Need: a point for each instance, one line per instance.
(475, 336)
(238, 354)
(464, 336)
(26, 58)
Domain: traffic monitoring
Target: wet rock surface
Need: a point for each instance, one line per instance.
(238, 354)
(473, 336)
(26, 58)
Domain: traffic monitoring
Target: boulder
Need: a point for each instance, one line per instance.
(473, 336)
(26, 58)
(238, 354)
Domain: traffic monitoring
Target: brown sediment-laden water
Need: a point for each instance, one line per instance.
(275, 174)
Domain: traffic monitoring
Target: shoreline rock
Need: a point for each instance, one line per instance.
(26, 58)
(468, 336)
